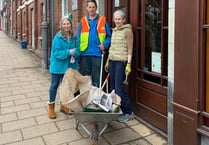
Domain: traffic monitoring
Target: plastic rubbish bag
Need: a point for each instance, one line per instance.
(104, 101)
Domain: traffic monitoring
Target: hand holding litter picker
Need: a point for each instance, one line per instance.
(107, 65)
(128, 68)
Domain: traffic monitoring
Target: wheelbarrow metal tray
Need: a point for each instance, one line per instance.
(96, 117)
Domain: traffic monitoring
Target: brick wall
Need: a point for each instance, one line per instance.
(30, 10)
(8, 18)
(22, 20)
(24, 24)
(19, 20)
(77, 14)
(38, 26)
(57, 15)
(19, 29)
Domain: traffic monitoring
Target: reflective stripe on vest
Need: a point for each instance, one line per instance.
(85, 31)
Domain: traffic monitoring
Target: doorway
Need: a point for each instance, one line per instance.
(149, 77)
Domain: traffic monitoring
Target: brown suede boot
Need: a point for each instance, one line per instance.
(52, 114)
(65, 110)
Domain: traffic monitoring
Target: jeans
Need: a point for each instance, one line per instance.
(117, 76)
(90, 66)
(56, 79)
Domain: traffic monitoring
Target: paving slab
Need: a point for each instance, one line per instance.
(33, 141)
(121, 136)
(18, 124)
(8, 117)
(9, 137)
(156, 139)
(142, 130)
(39, 130)
(62, 137)
(31, 113)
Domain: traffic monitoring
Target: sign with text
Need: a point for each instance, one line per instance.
(117, 3)
(74, 4)
(156, 62)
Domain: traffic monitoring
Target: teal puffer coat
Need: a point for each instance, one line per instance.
(60, 55)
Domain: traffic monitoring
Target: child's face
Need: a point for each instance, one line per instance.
(66, 25)
(119, 21)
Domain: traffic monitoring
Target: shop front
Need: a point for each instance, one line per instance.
(169, 80)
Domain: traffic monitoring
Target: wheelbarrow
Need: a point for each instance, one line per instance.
(95, 118)
(81, 101)
(94, 115)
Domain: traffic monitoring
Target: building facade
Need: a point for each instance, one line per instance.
(170, 70)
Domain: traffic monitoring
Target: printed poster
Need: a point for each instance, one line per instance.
(156, 62)
(74, 4)
(117, 3)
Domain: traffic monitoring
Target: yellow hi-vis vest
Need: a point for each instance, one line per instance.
(84, 37)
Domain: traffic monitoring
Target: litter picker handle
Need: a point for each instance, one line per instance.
(125, 81)
(101, 69)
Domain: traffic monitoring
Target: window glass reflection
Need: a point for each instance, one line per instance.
(153, 36)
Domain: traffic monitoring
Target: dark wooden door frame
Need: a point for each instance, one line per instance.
(135, 8)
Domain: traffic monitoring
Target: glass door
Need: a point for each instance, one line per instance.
(154, 50)
(152, 62)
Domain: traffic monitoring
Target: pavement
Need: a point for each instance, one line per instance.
(24, 118)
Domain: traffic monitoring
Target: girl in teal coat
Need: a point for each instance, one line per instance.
(64, 55)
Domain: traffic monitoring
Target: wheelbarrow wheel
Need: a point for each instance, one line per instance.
(93, 142)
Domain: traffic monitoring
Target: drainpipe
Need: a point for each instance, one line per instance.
(52, 19)
(171, 32)
(44, 26)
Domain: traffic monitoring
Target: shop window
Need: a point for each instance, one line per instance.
(41, 13)
(153, 48)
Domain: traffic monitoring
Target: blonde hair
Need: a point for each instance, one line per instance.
(71, 29)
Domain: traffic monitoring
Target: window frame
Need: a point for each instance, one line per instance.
(141, 73)
(203, 128)
(64, 8)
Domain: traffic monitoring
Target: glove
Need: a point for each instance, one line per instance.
(128, 68)
(72, 51)
(107, 66)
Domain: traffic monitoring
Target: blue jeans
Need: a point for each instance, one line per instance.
(90, 66)
(117, 76)
(56, 79)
